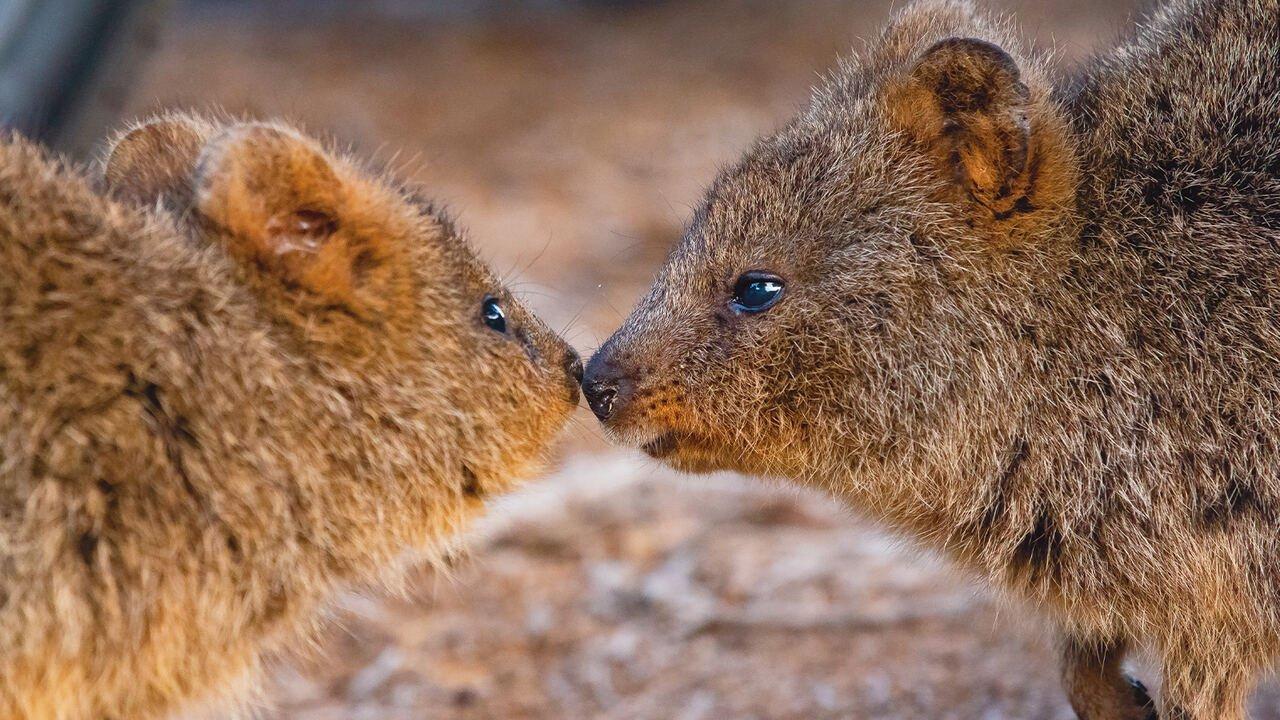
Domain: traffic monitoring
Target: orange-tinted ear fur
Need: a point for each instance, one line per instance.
(965, 101)
(154, 161)
(280, 203)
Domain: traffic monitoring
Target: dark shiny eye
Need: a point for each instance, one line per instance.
(755, 292)
(492, 315)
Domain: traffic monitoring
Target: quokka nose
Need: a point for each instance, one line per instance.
(603, 387)
(573, 366)
(601, 396)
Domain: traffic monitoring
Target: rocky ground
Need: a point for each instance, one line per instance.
(572, 139)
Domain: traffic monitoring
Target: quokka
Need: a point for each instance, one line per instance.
(236, 372)
(1034, 326)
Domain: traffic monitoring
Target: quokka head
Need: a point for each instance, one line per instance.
(832, 296)
(360, 277)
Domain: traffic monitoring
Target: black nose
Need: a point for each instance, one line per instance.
(573, 366)
(604, 387)
(572, 375)
(600, 396)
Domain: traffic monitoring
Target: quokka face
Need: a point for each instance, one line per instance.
(771, 323)
(767, 327)
(367, 277)
(815, 311)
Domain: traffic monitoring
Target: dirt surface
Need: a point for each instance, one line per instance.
(572, 139)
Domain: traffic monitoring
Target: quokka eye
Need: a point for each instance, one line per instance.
(756, 292)
(492, 315)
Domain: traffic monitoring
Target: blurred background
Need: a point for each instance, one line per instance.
(572, 139)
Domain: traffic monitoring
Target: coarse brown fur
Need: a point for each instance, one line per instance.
(240, 374)
(1035, 327)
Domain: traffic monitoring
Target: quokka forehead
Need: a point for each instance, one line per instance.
(793, 187)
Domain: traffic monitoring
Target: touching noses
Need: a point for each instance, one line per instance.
(604, 386)
(573, 369)
(573, 365)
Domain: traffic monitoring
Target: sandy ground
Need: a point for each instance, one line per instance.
(572, 139)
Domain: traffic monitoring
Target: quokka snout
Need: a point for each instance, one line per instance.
(237, 371)
(1031, 325)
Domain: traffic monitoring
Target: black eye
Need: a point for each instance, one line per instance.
(755, 292)
(492, 315)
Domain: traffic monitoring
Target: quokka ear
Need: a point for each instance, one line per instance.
(964, 99)
(279, 202)
(155, 160)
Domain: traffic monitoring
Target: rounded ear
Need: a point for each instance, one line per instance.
(965, 101)
(278, 201)
(154, 161)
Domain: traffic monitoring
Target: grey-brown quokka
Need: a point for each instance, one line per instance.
(237, 371)
(1034, 325)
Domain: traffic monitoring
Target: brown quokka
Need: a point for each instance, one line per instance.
(1036, 327)
(246, 372)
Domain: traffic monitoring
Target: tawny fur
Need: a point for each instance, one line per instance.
(240, 374)
(1036, 327)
